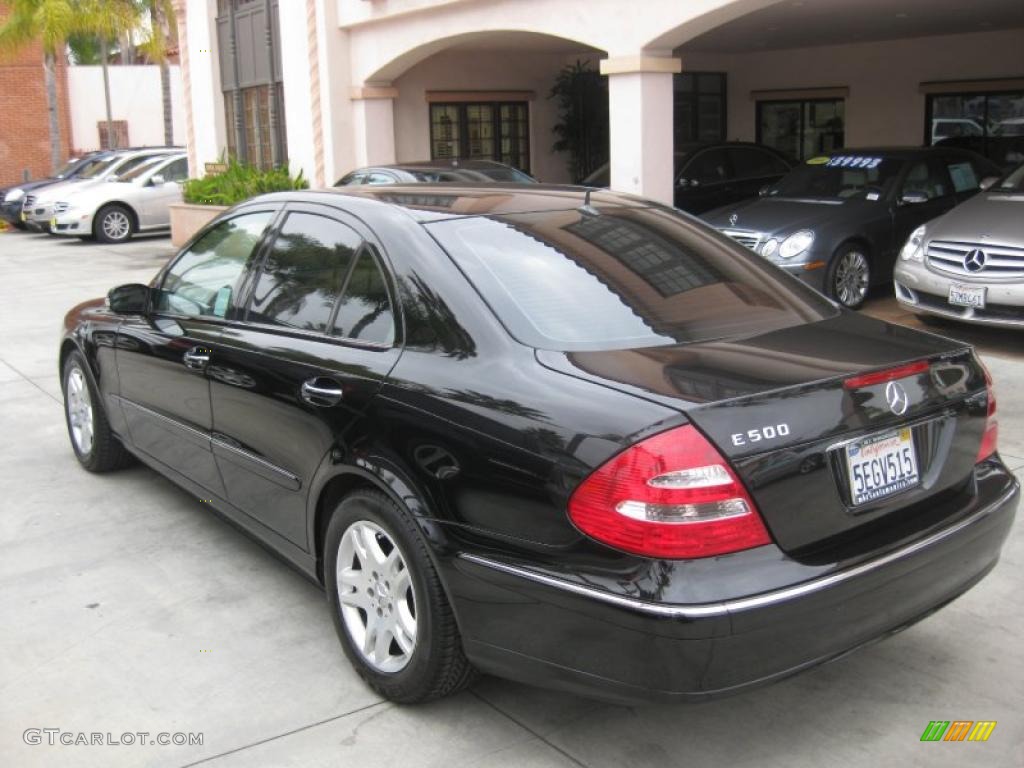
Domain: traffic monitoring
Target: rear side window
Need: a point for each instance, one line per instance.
(628, 277)
(925, 179)
(303, 273)
(365, 311)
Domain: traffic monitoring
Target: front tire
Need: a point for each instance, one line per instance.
(113, 224)
(849, 276)
(95, 445)
(389, 609)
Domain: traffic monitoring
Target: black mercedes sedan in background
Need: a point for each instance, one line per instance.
(571, 438)
(839, 221)
(436, 172)
(707, 176)
(12, 198)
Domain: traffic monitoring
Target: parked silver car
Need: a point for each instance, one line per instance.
(37, 208)
(115, 210)
(969, 263)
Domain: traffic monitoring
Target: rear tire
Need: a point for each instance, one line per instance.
(95, 445)
(848, 278)
(113, 224)
(391, 612)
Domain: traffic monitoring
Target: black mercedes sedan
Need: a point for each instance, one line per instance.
(571, 438)
(708, 176)
(453, 171)
(838, 221)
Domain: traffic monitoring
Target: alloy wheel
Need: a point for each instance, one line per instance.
(851, 280)
(79, 407)
(378, 603)
(116, 225)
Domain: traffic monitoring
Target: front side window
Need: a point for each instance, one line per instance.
(365, 312)
(708, 167)
(625, 278)
(204, 280)
(303, 273)
(924, 178)
(749, 163)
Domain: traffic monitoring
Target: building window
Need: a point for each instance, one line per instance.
(991, 124)
(250, 70)
(481, 131)
(802, 128)
(700, 107)
(119, 129)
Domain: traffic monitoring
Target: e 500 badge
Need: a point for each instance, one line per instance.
(770, 432)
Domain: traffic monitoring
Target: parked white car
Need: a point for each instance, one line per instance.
(113, 211)
(37, 208)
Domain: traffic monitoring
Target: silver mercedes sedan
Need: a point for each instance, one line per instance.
(969, 264)
(113, 211)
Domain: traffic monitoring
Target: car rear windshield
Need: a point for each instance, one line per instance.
(839, 177)
(621, 278)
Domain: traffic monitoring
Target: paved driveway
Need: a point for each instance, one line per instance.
(126, 606)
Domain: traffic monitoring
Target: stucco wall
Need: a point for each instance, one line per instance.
(884, 105)
(490, 71)
(134, 96)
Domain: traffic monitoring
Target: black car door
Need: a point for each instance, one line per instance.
(925, 192)
(162, 356)
(704, 181)
(313, 343)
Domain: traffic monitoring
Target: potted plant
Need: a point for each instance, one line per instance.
(206, 198)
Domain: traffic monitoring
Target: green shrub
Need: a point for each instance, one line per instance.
(240, 182)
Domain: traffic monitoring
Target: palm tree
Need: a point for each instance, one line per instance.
(108, 20)
(162, 30)
(50, 22)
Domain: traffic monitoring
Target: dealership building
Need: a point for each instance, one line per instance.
(330, 85)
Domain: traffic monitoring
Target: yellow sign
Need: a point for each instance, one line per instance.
(817, 161)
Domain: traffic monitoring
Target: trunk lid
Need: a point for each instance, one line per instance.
(777, 407)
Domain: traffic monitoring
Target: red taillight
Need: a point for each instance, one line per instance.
(672, 496)
(889, 374)
(991, 435)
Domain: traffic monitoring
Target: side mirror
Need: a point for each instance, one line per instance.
(129, 299)
(157, 180)
(988, 181)
(913, 198)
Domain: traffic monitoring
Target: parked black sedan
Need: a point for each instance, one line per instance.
(838, 221)
(567, 437)
(707, 176)
(436, 172)
(11, 198)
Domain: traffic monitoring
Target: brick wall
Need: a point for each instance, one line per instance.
(24, 120)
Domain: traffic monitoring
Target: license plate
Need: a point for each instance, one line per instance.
(24, 216)
(881, 465)
(967, 296)
(53, 223)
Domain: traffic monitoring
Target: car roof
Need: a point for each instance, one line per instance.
(890, 151)
(434, 201)
(438, 165)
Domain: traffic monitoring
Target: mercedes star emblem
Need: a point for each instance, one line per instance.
(733, 218)
(974, 261)
(896, 397)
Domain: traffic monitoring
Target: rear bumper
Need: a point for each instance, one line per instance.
(522, 623)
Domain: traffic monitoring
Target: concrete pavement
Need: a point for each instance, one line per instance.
(126, 606)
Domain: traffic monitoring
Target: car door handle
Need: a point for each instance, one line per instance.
(315, 393)
(196, 358)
